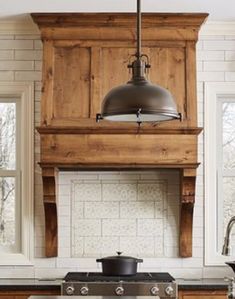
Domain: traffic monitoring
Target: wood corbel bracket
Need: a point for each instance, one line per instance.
(49, 177)
(188, 184)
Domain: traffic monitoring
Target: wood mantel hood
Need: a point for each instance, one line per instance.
(84, 56)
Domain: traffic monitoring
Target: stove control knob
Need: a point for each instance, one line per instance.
(84, 290)
(70, 290)
(154, 291)
(169, 291)
(119, 291)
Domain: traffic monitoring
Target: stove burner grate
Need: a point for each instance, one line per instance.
(99, 277)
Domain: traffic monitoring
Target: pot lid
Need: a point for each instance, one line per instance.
(119, 256)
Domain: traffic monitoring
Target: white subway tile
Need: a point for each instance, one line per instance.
(230, 55)
(199, 66)
(217, 272)
(6, 54)
(27, 36)
(203, 55)
(38, 44)
(16, 44)
(64, 252)
(52, 273)
(230, 37)
(210, 76)
(17, 272)
(9, 65)
(219, 45)
(219, 66)
(86, 176)
(230, 76)
(210, 37)
(29, 55)
(38, 65)
(192, 262)
(6, 76)
(44, 263)
(31, 75)
(6, 36)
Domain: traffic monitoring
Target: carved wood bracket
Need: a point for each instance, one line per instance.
(188, 183)
(49, 176)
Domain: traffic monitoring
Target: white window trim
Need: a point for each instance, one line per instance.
(212, 92)
(24, 91)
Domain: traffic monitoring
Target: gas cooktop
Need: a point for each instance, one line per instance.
(99, 277)
(158, 284)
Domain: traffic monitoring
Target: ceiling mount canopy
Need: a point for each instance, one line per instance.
(139, 100)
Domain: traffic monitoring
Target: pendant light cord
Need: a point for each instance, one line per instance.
(138, 53)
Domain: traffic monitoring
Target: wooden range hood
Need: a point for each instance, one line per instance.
(84, 56)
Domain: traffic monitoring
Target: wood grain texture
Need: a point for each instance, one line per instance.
(46, 20)
(188, 184)
(49, 176)
(152, 130)
(202, 294)
(123, 149)
(71, 97)
(26, 293)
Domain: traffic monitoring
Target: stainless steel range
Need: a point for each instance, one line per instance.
(161, 285)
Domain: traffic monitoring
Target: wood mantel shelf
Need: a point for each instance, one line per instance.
(84, 56)
(125, 130)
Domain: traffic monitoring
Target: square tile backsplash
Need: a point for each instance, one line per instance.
(131, 212)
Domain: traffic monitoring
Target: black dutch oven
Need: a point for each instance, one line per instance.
(119, 265)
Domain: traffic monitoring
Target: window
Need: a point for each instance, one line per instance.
(9, 175)
(16, 172)
(219, 166)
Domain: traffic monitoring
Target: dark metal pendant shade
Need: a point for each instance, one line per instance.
(139, 100)
(135, 102)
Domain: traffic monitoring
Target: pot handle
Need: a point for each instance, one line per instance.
(139, 261)
(99, 261)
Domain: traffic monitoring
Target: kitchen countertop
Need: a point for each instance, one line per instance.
(202, 284)
(40, 284)
(30, 284)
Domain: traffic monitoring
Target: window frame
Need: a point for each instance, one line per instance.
(16, 174)
(214, 92)
(24, 93)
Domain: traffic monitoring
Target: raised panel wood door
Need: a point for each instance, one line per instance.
(167, 69)
(77, 77)
(66, 84)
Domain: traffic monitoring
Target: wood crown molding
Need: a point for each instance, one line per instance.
(118, 19)
(23, 27)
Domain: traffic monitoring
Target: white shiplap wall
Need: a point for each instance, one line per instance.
(20, 60)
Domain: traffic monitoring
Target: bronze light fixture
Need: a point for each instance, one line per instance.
(139, 100)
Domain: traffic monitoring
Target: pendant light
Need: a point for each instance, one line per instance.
(139, 100)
